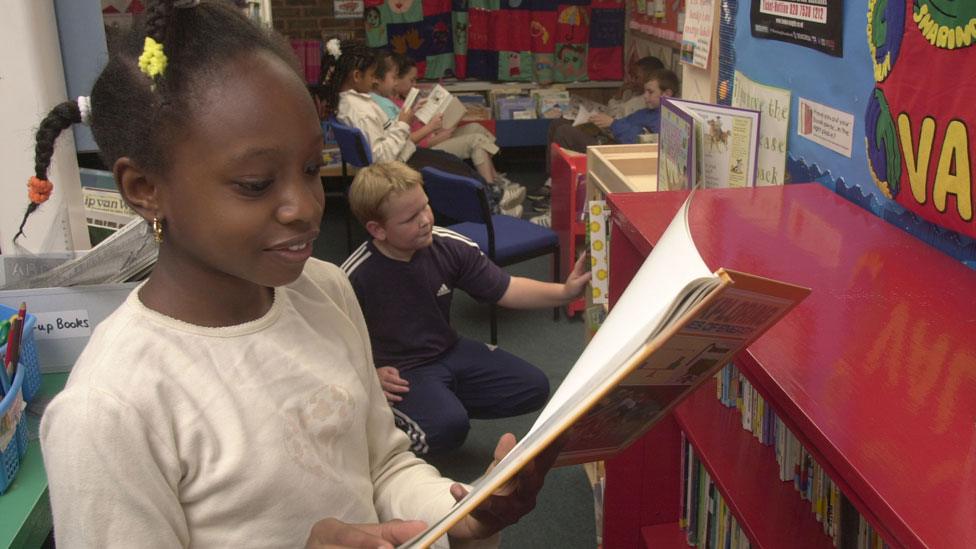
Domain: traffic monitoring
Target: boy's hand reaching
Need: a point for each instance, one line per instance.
(527, 293)
(577, 280)
(393, 385)
(332, 533)
(512, 501)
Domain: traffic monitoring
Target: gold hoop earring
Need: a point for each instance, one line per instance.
(157, 229)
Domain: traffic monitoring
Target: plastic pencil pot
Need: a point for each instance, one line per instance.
(13, 430)
(28, 353)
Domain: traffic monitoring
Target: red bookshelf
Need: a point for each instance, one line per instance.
(664, 536)
(565, 168)
(875, 372)
(745, 472)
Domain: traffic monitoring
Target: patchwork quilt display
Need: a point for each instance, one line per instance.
(509, 40)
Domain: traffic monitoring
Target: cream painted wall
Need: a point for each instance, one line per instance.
(31, 82)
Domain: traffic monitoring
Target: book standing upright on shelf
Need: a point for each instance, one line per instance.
(671, 330)
(712, 146)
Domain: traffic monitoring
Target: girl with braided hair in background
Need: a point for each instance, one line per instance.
(231, 400)
(348, 76)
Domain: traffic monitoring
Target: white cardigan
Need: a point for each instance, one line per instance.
(388, 139)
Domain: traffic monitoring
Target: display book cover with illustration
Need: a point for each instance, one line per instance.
(672, 329)
(706, 145)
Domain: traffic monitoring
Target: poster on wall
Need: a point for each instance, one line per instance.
(825, 126)
(816, 24)
(348, 9)
(774, 106)
(696, 41)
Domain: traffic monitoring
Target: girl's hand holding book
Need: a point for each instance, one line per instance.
(436, 123)
(406, 115)
(332, 533)
(512, 501)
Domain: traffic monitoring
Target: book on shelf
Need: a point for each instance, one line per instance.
(551, 102)
(672, 329)
(475, 105)
(706, 145)
(440, 101)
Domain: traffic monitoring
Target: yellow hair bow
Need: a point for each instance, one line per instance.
(152, 61)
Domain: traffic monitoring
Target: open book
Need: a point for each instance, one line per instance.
(706, 145)
(440, 101)
(673, 328)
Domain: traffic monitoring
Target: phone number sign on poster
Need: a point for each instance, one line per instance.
(816, 24)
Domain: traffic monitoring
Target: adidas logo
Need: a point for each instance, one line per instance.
(444, 290)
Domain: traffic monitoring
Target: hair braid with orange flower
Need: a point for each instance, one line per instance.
(60, 118)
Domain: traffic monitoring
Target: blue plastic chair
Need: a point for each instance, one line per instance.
(355, 151)
(506, 240)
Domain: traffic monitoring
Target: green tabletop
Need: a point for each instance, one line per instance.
(24, 507)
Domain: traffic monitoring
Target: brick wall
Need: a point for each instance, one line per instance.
(313, 19)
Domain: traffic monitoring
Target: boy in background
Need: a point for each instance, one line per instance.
(404, 279)
(605, 129)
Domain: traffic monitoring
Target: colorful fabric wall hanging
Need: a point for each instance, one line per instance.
(509, 40)
(919, 114)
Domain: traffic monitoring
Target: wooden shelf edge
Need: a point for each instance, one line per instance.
(770, 511)
(664, 536)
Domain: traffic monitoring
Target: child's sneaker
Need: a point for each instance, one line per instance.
(515, 211)
(542, 193)
(503, 181)
(544, 220)
(541, 206)
(511, 197)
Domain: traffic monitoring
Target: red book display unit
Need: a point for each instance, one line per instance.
(566, 170)
(875, 373)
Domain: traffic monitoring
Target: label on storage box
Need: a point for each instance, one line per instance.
(62, 324)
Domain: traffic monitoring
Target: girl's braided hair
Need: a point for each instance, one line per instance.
(145, 96)
(353, 55)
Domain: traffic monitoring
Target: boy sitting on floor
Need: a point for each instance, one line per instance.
(404, 279)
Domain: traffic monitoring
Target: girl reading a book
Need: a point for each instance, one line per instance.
(231, 399)
(470, 141)
(349, 75)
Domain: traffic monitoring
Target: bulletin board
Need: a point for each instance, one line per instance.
(869, 120)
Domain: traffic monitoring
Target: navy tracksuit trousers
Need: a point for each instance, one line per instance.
(472, 380)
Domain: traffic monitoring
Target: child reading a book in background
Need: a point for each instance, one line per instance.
(404, 278)
(231, 400)
(349, 76)
(603, 128)
(628, 99)
(471, 141)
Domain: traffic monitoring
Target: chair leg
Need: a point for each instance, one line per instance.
(493, 315)
(556, 279)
